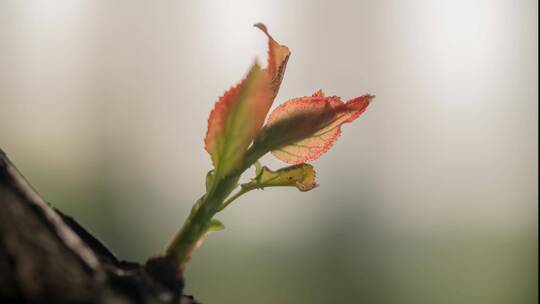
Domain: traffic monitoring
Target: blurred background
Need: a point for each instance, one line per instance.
(430, 197)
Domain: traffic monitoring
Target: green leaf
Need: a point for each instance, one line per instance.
(209, 180)
(258, 168)
(301, 176)
(215, 225)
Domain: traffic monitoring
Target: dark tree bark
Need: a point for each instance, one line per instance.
(47, 257)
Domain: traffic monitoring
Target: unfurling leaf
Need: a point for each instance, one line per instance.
(239, 114)
(302, 129)
(301, 176)
(278, 55)
(236, 119)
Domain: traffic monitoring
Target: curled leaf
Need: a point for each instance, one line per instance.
(301, 176)
(302, 129)
(278, 55)
(236, 119)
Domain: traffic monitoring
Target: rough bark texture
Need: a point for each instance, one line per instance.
(46, 257)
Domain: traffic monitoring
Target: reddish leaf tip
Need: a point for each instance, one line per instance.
(319, 93)
(358, 105)
(263, 28)
(278, 56)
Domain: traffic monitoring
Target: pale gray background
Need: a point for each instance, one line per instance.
(430, 197)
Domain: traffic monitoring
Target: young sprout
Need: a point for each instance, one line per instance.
(297, 131)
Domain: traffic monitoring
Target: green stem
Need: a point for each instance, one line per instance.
(188, 238)
(234, 197)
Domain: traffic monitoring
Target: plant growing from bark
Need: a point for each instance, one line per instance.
(296, 132)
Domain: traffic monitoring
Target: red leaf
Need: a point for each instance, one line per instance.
(312, 124)
(236, 119)
(278, 55)
(240, 113)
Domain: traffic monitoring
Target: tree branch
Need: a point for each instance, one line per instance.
(47, 257)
